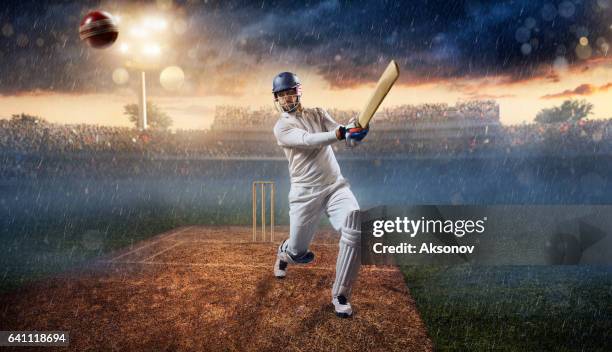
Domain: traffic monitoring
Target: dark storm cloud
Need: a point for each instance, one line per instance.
(349, 43)
(432, 40)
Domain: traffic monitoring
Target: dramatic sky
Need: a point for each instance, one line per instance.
(526, 54)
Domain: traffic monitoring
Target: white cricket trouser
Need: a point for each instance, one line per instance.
(307, 204)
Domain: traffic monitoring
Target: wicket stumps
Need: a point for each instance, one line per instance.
(262, 185)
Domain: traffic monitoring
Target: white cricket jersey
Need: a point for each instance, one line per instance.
(306, 138)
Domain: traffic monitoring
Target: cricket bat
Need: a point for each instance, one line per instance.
(385, 82)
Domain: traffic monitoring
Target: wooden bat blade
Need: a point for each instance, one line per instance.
(385, 82)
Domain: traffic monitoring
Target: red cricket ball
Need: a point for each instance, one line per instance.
(98, 29)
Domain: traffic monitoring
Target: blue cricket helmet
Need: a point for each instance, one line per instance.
(284, 81)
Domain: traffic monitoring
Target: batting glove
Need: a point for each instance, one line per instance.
(354, 135)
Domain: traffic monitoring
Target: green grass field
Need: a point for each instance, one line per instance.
(515, 308)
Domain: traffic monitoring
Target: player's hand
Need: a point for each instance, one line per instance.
(354, 135)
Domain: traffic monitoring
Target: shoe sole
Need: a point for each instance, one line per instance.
(343, 315)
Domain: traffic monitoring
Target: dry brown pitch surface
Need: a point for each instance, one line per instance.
(212, 289)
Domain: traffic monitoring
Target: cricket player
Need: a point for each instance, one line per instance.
(317, 187)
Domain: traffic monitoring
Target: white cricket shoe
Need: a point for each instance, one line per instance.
(283, 259)
(342, 307)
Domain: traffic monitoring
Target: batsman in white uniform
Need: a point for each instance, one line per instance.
(317, 187)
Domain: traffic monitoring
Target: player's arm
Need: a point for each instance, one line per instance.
(291, 136)
(351, 132)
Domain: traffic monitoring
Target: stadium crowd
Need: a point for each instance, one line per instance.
(225, 139)
(229, 117)
(487, 110)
